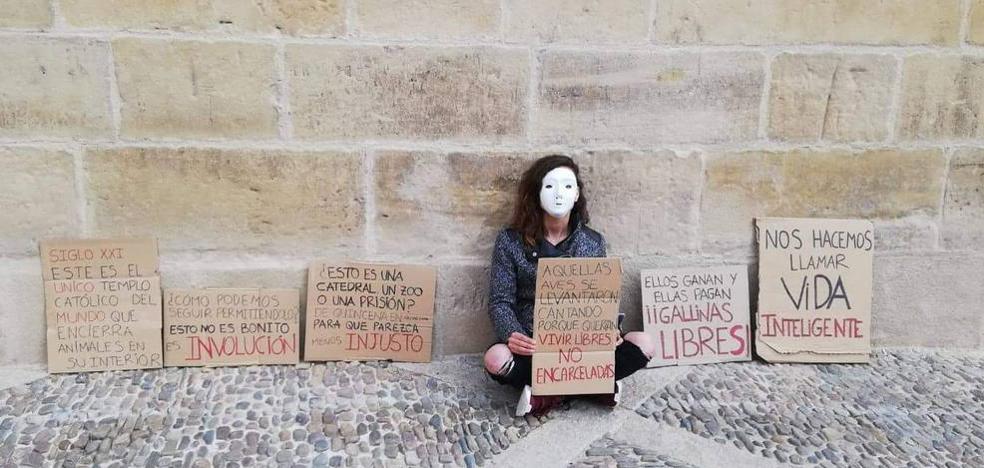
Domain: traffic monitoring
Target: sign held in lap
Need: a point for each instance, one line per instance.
(575, 325)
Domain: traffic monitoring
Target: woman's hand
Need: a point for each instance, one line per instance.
(521, 344)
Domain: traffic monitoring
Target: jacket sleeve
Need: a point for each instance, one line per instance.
(621, 315)
(502, 290)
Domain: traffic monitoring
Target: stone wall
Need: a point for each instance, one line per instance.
(253, 136)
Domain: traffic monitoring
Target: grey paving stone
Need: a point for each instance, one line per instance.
(608, 452)
(913, 408)
(332, 414)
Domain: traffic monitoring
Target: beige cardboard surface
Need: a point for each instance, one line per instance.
(63, 259)
(103, 324)
(228, 327)
(814, 290)
(573, 373)
(366, 311)
(575, 325)
(697, 315)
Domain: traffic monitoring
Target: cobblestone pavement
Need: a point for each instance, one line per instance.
(905, 409)
(345, 414)
(607, 452)
(909, 407)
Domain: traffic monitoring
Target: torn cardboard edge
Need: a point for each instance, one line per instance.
(769, 353)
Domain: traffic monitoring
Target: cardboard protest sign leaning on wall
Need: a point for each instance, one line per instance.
(360, 311)
(697, 315)
(223, 327)
(814, 290)
(575, 325)
(102, 304)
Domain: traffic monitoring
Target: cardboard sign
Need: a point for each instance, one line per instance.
(814, 290)
(362, 311)
(575, 325)
(103, 324)
(74, 259)
(228, 327)
(697, 315)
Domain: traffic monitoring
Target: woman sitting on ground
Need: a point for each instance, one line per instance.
(550, 220)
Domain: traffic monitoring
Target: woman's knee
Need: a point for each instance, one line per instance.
(645, 342)
(496, 357)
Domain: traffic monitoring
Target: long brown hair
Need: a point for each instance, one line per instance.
(527, 217)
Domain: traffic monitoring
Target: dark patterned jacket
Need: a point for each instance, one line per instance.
(513, 274)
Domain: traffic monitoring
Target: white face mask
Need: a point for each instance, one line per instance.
(558, 192)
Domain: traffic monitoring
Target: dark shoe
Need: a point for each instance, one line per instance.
(543, 404)
(609, 400)
(537, 405)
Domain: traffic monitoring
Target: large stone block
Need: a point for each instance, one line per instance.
(577, 21)
(647, 98)
(975, 33)
(441, 205)
(190, 89)
(942, 97)
(38, 198)
(928, 300)
(22, 336)
(644, 203)
(25, 14)
(340, 92)
(831, 97)
(427, 19)
(175, 14)
(298, 17)
(461, 322)
(264, 16)
(900, 22)
(963, 207)
(881, 184)
(911, 233)
(226, 270)
(247, 200)
(54, 88)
